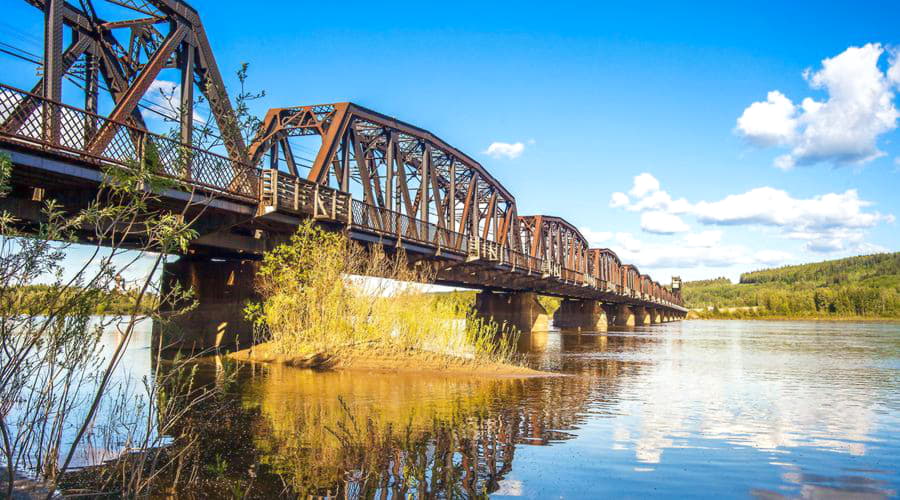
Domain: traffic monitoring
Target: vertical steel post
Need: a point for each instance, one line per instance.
(389, 175)
(91, 93)
(345, 164)
(451, 202)
(423, 186)
(53, 68)
(186, 66)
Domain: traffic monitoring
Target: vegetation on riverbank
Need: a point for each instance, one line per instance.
(316, 310)
(852, 288)
(33, 299)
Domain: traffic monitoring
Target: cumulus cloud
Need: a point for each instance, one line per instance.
(827, 223)
(649, 196)
(706, 239)
(505, 150)
(595, 238)
(644, 184)
(621, 200)
(693, 250)
(659, 222)
(772, 122)
(774, 207)
(844, 128)
(660, 200)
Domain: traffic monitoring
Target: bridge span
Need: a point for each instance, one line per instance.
(380, 180)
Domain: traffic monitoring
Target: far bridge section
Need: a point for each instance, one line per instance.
(382, 181)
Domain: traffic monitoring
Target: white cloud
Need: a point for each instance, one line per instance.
(628, 243)
(660, 200)
(844, 128)
(658, 222)
(832, 222)
(832, 240)
(682, 254)
(827, 223)
(769, 123)
(505, 150)
(706, 239)
(774, 207)
(646, 190)
(619, 200)
(644, 184)
(595, 238)
(772, 257)
(165, 97)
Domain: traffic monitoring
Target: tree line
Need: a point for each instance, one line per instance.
(864, 286)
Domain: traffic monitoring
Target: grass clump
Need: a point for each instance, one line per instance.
(323, 295)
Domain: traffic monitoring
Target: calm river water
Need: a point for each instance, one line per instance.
(688, 409)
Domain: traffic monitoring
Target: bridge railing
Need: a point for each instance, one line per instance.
(518, 261)
(292, 194)
(34, 122)
(403, 227)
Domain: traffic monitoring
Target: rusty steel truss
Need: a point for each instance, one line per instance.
(400, 170)
(377, 177)
(556, 242)
(128, 55)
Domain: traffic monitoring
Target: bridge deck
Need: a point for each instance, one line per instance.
(462, 259)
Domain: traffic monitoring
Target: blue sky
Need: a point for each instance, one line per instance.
(601, 95)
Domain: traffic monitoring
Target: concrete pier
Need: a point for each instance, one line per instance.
(588, 315)
(641, 316)
(625, 315)
(521, 310)
(220, 289)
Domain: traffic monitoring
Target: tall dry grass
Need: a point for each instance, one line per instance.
(321, 293)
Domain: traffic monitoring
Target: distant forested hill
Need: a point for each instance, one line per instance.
(857, 286)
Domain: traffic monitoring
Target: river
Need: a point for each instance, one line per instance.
(686, 409)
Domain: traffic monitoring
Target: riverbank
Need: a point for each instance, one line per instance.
(693, 315)
(373, 359)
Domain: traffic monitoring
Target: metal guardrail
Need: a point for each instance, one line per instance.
(403, 227)
(32, 121)
(293, 194)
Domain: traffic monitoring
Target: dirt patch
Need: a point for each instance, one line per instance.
(385, 361)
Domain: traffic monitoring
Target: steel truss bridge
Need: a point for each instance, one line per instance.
(382, 180)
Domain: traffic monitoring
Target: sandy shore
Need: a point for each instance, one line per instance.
(379, 360)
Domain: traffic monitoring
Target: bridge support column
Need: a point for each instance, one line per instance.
(655, 316)
(581, 314)
(220, 289)
(611, 311)
(624, 315)
(641, 316)
(521, 310)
